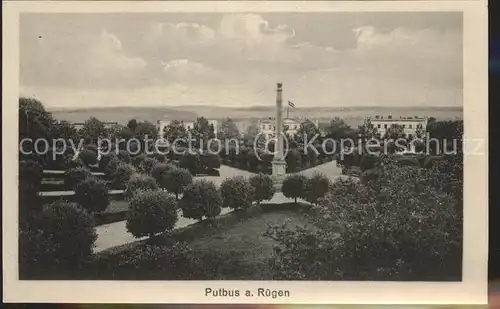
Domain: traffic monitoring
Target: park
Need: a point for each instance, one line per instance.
(245, 214)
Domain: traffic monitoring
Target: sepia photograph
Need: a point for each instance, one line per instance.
(237, 145)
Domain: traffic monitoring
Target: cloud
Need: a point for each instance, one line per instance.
(238, 58)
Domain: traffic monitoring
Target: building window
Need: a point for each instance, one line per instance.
(404, 126)
(385, 126)
(378, 125)
(410, 126)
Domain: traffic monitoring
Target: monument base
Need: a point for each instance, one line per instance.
(279, 168)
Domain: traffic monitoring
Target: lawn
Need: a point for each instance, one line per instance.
(246, 245)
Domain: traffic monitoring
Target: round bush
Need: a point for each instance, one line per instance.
(122, 175)
(210, 162)
(201, 199)
(140, 182)
(370, 175)
(147, 165)
(88, 157)
(158, 157)
(191, 162)
(92, 194)
(236, 193)
(262, 187)
(74, 176)
(316, 187)
(294, 187)
(175, 180)
(150, 213)
(69, 233)
(159, 169)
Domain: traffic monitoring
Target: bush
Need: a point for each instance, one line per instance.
(158, 170)
(368, 161)
(88, 157)
(294, 187)
(112, 165)
(209, 162)
(407, 161)
(105, 160)
(61, 239)
(262, 187)
(92, 194)
(236, 193)
(176, 261)
(124, 156)
(75, 175)
(370, 175)
(150, 213)
(30, 175)
(316, 187)
(138, 159)
(402, 229)
(162, 158)
(30, 179)
(175, 180)
(140, 182)
(147, 165)
(201, 199)
(191, 162)
(122, 175)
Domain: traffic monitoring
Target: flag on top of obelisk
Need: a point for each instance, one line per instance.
(291, 104)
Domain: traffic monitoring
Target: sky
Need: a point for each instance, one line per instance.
(395, 59)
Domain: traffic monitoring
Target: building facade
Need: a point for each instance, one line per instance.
(410, 125)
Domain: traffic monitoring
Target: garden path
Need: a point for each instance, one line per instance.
(115, 234)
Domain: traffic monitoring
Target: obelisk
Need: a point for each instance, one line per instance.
(279, 163)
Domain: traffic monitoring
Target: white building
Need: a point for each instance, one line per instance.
(409, 124)
(188, 125)
(291, 126)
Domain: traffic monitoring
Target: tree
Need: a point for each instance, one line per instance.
(338, 129)
(147, 165)
(294, 186)
(92, 194)
(316, 187)
(395, 132)
(34, 121)
(68, 232)
(74, 176)
(175, 130)
(138, 159)
(202, 132)
(307, 132)
(64, 130)
(175, 180)
(201, 199)
(132, 124)
(124, 156)
(263, 187)
(140, 182)
(228, 130)
(423, 234)
(209, 162)
(236, 193)
(146, 130)
(150, 213)
(30, 179)
(93, 129)
(122, 175)
(367, 131)
(419, 131)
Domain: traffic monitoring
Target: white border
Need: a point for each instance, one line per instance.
(473, 289)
